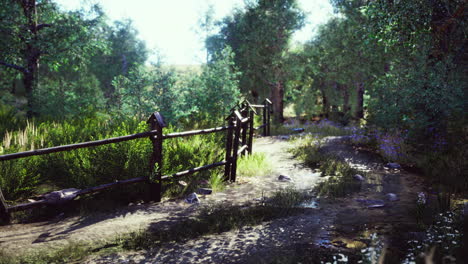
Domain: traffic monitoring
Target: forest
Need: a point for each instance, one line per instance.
(388, 74)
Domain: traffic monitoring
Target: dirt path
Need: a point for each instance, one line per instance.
(338, 225)
(58, 232)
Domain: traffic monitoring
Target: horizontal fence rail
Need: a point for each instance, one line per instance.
(239, 138)
(75, 146)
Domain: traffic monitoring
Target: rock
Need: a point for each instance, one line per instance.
(284, 137)
(192, 198)
(391, 197)
(284, 178)
(358, 177)
(182, 183)
(371, 203)
(298, 130)
(393, 165)
(62, 196)
(204, 191)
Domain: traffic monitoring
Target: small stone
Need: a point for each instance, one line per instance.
(204, 191)
(284, 137)
(371, 203)
(393, 165)
(192, 198)
(358, 177)
(391, 197)
(298, 129)
(183, 183)
(284, 178)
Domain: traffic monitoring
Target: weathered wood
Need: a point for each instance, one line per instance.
(240, 117)
(251, 131)
(265, 110)
(4, 214)
(235, 147)
(242, 149)
(111, 185)
(197, 169)
(258, 106)
(245, 113)
(75, 146)
(157, 123)
(196, 132)
(25, 206)
(229, 139)
(268, 121)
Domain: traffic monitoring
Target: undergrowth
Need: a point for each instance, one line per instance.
(82, 168)
(340, 181)
(255, 164)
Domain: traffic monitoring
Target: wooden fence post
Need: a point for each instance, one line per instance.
(235, 147)
(245, 113)
(269, 117)
(265, 120)
(229, 134)
(156, 122)
(4, 215)
(251, 131)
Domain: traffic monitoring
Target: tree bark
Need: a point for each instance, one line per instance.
(325, 104)
(359, 100)
(346, 106)
(277, 94)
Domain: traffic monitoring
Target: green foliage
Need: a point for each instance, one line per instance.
(216, 90)
(255, 164)
(341, 181)
(259, 37)
(88, 167)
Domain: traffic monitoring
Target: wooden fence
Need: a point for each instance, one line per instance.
(239, 138)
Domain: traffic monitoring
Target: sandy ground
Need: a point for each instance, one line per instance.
(337, 224)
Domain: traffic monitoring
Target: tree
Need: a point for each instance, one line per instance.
(36, 31)
(216, 91)
(259, 37)
(125, 54)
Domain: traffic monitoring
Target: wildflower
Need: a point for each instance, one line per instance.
(421, 198)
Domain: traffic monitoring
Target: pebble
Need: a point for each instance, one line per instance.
(204, 191)
(284, 178)
(393, 165)
(391, 197)
(192, 198)
(358, 177)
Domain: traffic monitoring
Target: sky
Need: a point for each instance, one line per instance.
(170, 26)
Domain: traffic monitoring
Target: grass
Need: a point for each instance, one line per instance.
(340, 181)
(71, 253)
(254, 165)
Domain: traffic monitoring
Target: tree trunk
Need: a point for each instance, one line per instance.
(359, 100)
(325, 104)
(277, 94)
(32, 53)
(346, 106)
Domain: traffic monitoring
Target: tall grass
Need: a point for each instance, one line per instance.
(254, 165)
(88, 167)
